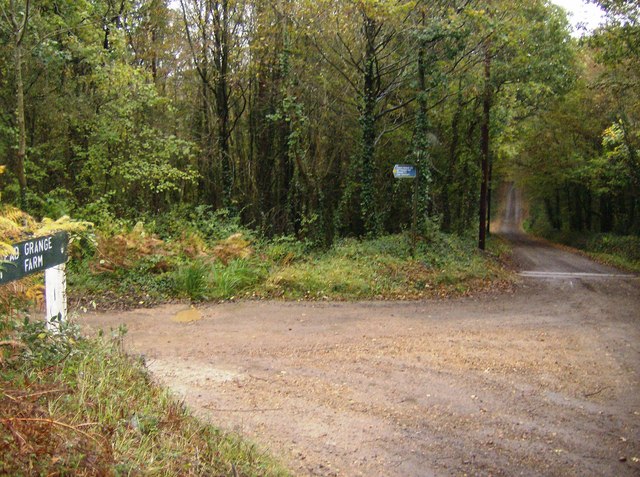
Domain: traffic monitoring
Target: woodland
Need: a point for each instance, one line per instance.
(289, 115)
(212, 150)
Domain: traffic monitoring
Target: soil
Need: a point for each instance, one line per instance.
(541, 381)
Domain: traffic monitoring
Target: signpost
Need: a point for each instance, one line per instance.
(48, 254)
(407, 171)
(404, 171)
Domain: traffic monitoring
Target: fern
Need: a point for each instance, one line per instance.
(63, 224)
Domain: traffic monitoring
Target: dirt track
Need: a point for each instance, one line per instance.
(545, 381)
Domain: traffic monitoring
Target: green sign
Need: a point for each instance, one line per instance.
(34, 255)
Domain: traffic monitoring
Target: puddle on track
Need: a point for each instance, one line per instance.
(187, 316)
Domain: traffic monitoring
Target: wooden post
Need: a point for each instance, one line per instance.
(484, 146)
(414, 218)
(55, 284)
(38, 254)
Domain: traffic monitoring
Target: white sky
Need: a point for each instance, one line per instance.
(581, 15)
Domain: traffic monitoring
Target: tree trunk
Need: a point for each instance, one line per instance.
(486, 119)
(19, 27)
(548, 206)
(20, 121)
(606, 214)
(557, 224)
(588, 210)
(221, 61)
(579, 210)
(369, 216)
(421, 140)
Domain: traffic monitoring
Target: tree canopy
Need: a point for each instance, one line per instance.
(291, 114)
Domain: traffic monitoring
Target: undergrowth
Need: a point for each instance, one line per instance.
(619, 250)
(384, 268)
(73, 406)
(208, 256)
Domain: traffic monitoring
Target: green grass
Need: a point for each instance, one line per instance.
(622, 251)
(383, 268)
(73, 406)
(235, 278)
(191, 281)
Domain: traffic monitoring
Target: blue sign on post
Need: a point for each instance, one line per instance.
(404, 171)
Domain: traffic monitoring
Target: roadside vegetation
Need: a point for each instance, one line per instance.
(212, 257)
(70, 405)
(76, 406)
(621, 251)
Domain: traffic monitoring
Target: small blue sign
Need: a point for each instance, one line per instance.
(404, 171)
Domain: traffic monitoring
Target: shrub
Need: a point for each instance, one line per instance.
(236, 277)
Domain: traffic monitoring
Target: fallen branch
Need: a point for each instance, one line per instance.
(32, 395)
(51, 422)
(243, 410)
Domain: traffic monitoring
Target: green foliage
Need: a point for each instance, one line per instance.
(127, 157)
(236, 278)
(617, 168)
(38, 346)
(140, 268)
(199, 281)
(285, 249)
(627, 247)
(209, 223)
(382, 268)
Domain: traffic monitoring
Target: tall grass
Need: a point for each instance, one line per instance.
(235, 278)
(384, 268)
(192, 281)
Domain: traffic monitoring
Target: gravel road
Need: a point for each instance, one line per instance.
(541, 381)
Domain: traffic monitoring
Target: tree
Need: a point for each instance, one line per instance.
(17, 14)
(617, 47)
(211, 28)
(366, 51)
(509, 31)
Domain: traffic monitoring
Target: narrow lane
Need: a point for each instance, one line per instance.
(539, 259)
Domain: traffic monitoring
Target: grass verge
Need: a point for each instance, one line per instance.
(621, 251)
(135, 267)
(72, 406)
(384, 268)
